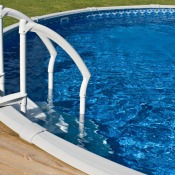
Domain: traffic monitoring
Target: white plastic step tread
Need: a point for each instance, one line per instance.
(11, 98)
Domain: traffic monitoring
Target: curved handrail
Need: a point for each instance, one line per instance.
(44, 33)
(38, 28)
(18, 15)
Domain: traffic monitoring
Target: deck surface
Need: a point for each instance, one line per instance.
(18, 157)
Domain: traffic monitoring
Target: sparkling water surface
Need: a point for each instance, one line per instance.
(130, 113)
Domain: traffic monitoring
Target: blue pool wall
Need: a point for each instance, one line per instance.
(93, 14)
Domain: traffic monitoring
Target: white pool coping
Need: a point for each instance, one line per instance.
(67, 152)
(71, 154)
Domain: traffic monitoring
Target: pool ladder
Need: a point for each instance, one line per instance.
(28, 25)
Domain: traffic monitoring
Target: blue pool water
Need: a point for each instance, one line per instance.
(130, 113)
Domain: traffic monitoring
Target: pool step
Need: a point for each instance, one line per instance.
(12, 98)
(33, 111)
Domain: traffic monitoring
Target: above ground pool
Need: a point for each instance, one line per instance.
(130, 112)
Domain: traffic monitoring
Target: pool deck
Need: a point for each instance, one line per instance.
(18, 157)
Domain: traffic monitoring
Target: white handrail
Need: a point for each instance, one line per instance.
(2, 74)
(18, 15)
(42, 32)
(34, 27)
(23, 67)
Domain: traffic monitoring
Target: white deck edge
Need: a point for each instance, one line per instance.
(73, 155)
(69, 153)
